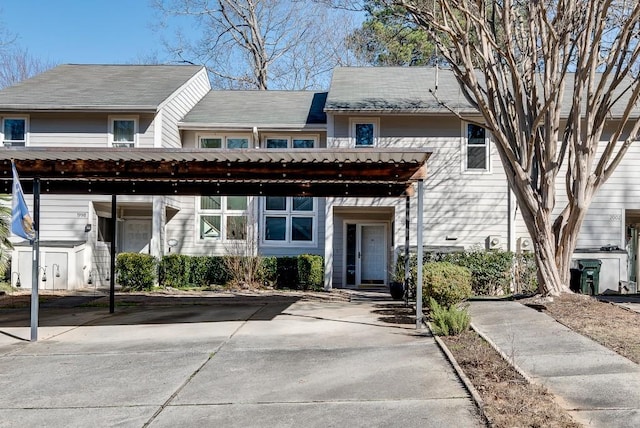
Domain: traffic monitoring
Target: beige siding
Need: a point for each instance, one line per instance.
(81, 129)
(461, 209)
(183, 227)
(178, 105)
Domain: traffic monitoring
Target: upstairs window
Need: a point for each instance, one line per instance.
(364, 131)
(123, 131)
(223, 142)
(14, 131)
(300, 142)
(476, 156)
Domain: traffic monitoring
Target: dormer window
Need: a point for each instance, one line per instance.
(123, 131)
(14, 131)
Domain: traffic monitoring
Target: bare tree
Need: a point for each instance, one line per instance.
(257, 44)
(17, 64)
(548, 77)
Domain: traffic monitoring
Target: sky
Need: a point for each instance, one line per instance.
(83, 31)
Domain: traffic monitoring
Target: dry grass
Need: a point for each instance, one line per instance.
(610, 325)
(509, 400)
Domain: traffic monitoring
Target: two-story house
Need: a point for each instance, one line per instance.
(468, 203)
(92, 107)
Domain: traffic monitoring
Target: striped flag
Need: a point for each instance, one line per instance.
(21, 221)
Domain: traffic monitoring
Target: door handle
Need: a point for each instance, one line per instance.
(358, 254)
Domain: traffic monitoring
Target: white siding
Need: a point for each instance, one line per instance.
(178, 105)
(81, 130)
(461, 209)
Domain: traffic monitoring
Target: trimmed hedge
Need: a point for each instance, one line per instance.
(305, 271)
(174, 270)
(136, 271)
(490, 270)
(310, 271)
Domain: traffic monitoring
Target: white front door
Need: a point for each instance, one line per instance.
(136, 236)
(371, 266)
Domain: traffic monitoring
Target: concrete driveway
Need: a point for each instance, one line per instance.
(232, 362)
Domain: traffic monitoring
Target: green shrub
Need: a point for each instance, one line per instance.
(310, 271)
(287, 272)
(490, 270)
(269, 271)
(136, 271)
(199, 271)
(448, 321)
(446, 283)
(174, 271)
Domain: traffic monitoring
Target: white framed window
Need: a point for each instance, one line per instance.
(364, 131)
(476, 148)
(123, 131)
(216, 141)
(291, 142)
(289, 220)
(15, 131)
(222, 218)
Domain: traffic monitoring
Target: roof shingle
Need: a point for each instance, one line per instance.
(97, 87)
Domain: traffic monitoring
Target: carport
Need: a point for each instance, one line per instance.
(362, 172)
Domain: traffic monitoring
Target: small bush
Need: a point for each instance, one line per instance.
(175, 271)
(136, 271)
(244, 271)
(269, 271)
(446, 283)
(490, 270)
(448, 321)
(310, 271)
(287, 272)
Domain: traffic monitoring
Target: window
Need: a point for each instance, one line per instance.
(289, 220)
(123, 131)
(476, 148)
(223, 218)
(299, 142)
(364, 131)
(105, 231)
(14, 130)
(223, 142)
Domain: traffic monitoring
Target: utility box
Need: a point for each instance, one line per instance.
(589, 276)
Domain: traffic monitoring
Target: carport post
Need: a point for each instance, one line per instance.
(35, 261)
(419, 315)
(112, 261)
(407, 227)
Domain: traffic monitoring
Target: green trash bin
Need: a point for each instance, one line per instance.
(589, 276)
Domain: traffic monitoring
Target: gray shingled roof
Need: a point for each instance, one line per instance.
(394, 89)
(98, 87)
(411, 90)
(282, 109)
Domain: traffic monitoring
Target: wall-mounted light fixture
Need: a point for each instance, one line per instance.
(87, 228)
(172, 243)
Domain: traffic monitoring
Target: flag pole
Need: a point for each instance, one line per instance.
(35, 262)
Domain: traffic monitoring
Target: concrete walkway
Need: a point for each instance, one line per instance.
(599, 387)
(237, 363)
